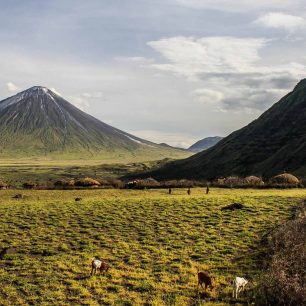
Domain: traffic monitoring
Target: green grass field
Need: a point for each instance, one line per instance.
(16, 172)
(153, 242)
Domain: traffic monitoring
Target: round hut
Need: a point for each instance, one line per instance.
(3, 185)
(87, 182)
(285, 179)
(254, 180)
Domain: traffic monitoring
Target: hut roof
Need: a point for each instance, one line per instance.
(285, 178)
(87, 181)
(252, 179)
(2, 184)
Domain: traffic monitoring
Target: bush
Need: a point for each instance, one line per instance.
(284, 283)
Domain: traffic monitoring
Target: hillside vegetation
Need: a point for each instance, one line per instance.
(153, 242)
(273, 143)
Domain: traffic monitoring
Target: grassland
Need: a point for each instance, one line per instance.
(16, 172)
(152, 240)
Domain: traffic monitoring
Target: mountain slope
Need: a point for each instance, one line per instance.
(204, 144)
(38, 122)
(275, 142)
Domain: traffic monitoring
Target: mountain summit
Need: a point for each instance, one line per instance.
(39, 122)
(272, 144)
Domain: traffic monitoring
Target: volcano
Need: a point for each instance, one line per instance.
(39, 122)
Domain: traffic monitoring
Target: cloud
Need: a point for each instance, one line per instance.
(282, 21)
(181, 140)
(12, 87)
(79, 102)
(55, 91)
(230, 70)
(238, 5)
(190, 57)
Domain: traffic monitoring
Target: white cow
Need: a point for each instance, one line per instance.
(239, 284)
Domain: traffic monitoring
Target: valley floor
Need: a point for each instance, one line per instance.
(153, 242)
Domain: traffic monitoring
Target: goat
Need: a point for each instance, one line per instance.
(239, 284)
(204, 278)
(97, 264)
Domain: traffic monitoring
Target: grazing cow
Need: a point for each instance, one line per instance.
(239, 284)
(204, 278)
(97, 264)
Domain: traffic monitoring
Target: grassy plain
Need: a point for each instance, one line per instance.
(152, 240)
(16, 172)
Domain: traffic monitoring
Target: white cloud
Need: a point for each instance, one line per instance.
(55, 91)
(240, 5)
(189, 56)
(94, 95)
(180, 140)
(12, 87)
(230, 70)
(79, 102)
(283, 21)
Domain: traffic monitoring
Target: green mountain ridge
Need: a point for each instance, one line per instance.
(271, 144)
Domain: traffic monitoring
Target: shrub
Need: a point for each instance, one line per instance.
(284, 281)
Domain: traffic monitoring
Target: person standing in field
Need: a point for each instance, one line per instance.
(170, 190)
(207, 189)
(188, 191)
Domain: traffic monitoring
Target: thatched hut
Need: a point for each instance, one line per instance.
(3, 185)
(87, 182)
(254, 180)
(64, 183)
(233, 181)
(285, 179)
(29, 185)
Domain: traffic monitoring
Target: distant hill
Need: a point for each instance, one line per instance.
(204, 144)
(38, 122)
(273, 143)
(163, 144)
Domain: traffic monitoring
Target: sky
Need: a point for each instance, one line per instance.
(172, 71)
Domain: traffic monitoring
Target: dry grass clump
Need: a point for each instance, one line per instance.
(284, 283)
(285, 178)
(87, 182)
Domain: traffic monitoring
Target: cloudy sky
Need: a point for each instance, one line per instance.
(170, 71)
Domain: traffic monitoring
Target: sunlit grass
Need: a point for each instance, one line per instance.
(152, 240)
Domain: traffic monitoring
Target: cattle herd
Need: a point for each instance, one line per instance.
(204, 277)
